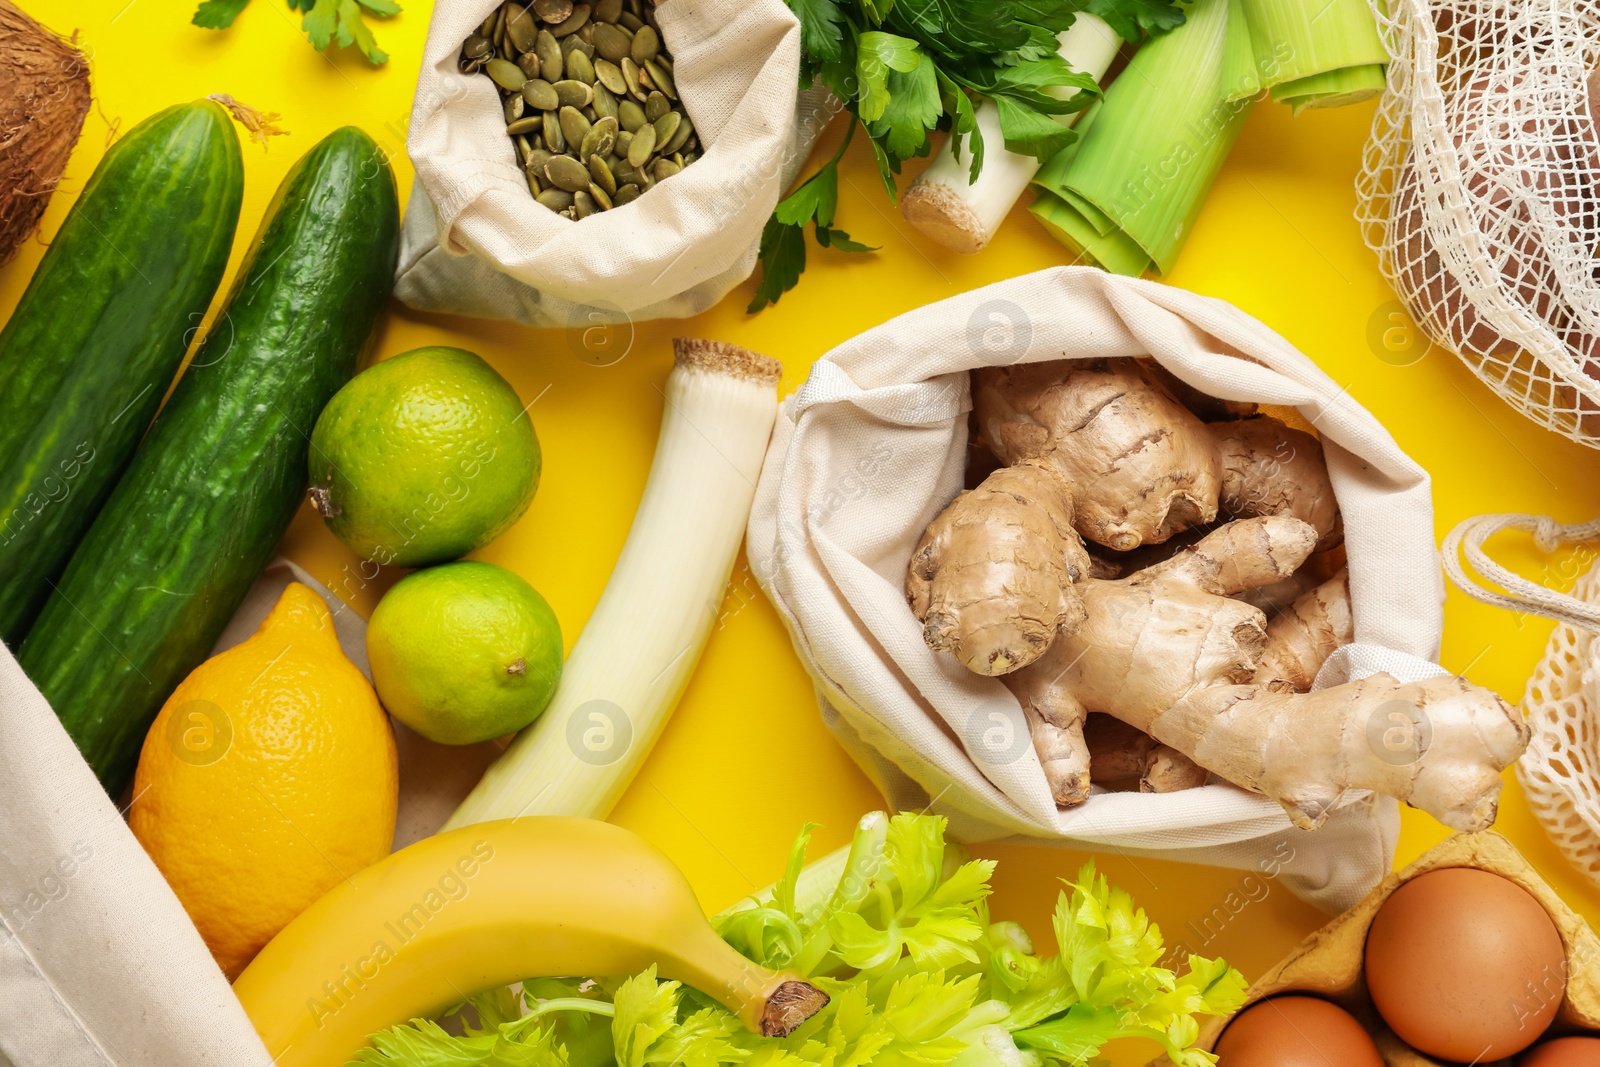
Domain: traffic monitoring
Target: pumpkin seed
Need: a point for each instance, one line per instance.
(600, 139)
(611, 42)
(526, 124)
(528, 63)
(605, 105)
(536, 159)
(552, 10)
(630, 75)
(521, 28)
(513, 107)
(583, 205)
(579, 68)
(630, 20)
(620, 149)
(567, 173)
(553, 139)
(555, 199)
(600, 171)
(477, 47)
(655, 105)
(646, 44)
(586, 35)
(507, 75)
(574, 127)
(573, 22)
(666, 128)
(549, 51)
(573, 93)
(610, 75)
(499, 24)
(607, 10)
(533, 184)
(600, 196)
(643, 144)
(661, 79)
(626, 194)
(675, 141)
(540, 94)
(632, 116)
(486, 30)
(663, 169)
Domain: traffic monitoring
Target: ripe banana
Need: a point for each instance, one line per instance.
(488, 905)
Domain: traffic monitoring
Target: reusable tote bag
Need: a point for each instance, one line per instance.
(874, 445)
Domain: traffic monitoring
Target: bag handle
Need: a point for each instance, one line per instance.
(1521, 595)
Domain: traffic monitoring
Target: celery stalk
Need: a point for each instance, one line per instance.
(1316, 53)
(1126, 195)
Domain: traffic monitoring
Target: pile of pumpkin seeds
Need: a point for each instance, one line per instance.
(589, 99)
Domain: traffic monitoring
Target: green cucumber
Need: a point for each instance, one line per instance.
(98, 336)
(223, 469)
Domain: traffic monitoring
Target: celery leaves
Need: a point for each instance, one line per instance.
(906, 69)
(916, 974)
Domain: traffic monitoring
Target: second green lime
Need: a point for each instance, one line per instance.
(423, 457)
(464, 652)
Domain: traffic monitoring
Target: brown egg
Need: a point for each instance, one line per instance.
(1465, 965)
(1564, 1052)
(1296, 1031)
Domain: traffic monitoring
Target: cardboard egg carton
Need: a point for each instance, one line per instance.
(1328, 963)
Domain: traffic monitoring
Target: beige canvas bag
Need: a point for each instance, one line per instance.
(474, 241)
(873, 446)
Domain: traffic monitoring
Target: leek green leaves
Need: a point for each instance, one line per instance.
(907, 68)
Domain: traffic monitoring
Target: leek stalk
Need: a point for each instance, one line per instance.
(961, 213)
(1316, 53)
(1127, 193)
(634, 658)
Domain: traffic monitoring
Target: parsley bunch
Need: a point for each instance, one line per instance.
(325, 21)
(905, 68)
(916, 974)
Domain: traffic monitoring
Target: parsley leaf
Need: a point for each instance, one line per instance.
(1129, 17)
(325, 21)
(878, 54)
(821, 30)
(218, 14)
(913, 109)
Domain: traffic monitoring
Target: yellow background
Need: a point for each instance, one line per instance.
(747, 760)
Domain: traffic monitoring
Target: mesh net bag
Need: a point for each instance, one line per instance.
(1478, 191)
(1560, 769)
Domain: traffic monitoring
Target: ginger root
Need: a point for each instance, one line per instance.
(1099, 451)
(1119, 753)
(1169, 652)
(1139, 465)
(1270, 469)
(1302, 637)
(1013, 532)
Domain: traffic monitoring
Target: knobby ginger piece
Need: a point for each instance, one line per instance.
(1271, 469)
(1169, 652)
(993, 578)
(1302, 637)
(1140, 465)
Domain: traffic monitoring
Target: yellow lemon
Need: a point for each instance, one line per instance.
(268, 778)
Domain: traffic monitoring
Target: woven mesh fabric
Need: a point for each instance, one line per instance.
(1478, 191)
(1560, 771)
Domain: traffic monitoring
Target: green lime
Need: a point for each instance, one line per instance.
(464, 652)
(423, 458)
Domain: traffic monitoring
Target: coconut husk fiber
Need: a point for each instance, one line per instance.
(44, 96)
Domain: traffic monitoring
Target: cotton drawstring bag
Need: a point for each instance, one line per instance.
(1480, 192)
(475, 242)
(873, 446)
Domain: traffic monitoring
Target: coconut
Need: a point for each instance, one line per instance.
(44, 96)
